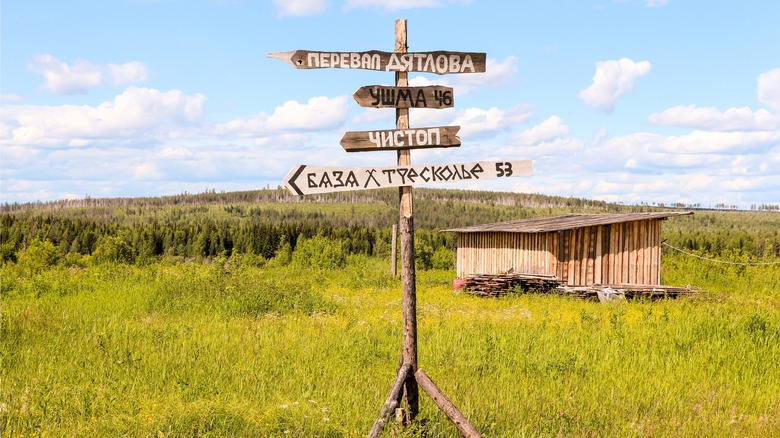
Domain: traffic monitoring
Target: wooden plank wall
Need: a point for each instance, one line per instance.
(496, 253)
(623, 253)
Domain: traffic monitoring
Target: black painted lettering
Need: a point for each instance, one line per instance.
(352, 180)
(404, 95)
(423, 172)
(420, 98)
(476, 170)
(374, 95)
(389, 173)
(325, 180)
(412, 174)
(455, 174)
(403, 173)
(337, 174)
(370, 173)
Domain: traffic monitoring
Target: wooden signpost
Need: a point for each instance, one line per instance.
(379, 96)
(305, 179)
(438, 62)
(394, 139)
(310, 180)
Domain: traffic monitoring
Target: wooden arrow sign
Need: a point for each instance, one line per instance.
(378, 96)
(395, 139)
(307, 180)
(439, 62)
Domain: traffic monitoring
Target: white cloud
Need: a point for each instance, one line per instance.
(552, 128)
(136, 114)
(497, 74)
(480, 123)
(769, 89)
(299, 8)
(128, 73)
(394, 5)
(711, 119)
(10, 97)
(656, 3)
(81, 76)
(611, 81)
(320, 113)
(704, 142)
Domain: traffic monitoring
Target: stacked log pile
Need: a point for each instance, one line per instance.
(607, 292)
(499, 285)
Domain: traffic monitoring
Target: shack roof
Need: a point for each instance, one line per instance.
(565, 222)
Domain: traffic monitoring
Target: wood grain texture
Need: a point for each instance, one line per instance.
(396, 139)
(438, 62)
(378, 96)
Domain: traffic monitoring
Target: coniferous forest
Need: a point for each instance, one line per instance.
(210, 224)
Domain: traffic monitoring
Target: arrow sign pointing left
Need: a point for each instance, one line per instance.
(308, 180)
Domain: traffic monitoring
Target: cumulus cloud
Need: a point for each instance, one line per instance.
(299, 8)
(707, 142)
(480, 123)
(611, 81)
(769, 89)
(81, 76)
(475, 123)
(711, 119)
(497, 74)
(137, 113)
(552, 128)
(318, 114)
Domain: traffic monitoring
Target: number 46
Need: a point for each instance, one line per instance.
(503, 169)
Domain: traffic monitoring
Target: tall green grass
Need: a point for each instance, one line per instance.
(242, 349)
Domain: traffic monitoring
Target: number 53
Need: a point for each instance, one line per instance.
(503, 169)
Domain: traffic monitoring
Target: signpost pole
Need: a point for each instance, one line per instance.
(406, 226)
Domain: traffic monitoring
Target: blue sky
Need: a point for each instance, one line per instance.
(655, 101)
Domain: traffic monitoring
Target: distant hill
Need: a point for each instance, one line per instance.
(212, 223)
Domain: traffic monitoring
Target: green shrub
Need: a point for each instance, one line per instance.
(113, 249)
(7, 252)
(423, 255)
(319, 252)
(443, 258)
(40, 255)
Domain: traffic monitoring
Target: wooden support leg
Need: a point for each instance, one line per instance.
(391, 402)
(462, 423)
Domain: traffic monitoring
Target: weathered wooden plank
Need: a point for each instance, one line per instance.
(647, 250)
(656, 274)
(379, 96)
(406, 229)
(396, 139)
(306, 180)
(626, 277)
(438, 62)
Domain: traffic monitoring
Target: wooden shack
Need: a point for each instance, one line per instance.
(579, 249)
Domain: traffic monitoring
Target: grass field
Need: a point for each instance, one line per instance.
(250, 348)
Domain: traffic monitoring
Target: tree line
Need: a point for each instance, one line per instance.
(261, 222)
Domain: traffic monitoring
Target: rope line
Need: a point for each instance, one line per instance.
(720, 261)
